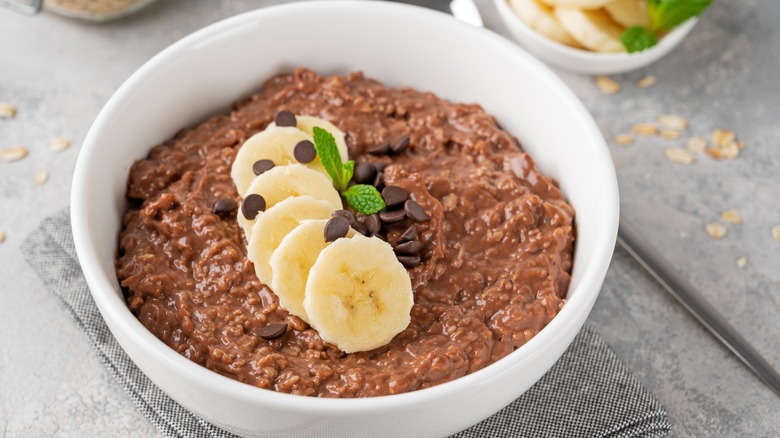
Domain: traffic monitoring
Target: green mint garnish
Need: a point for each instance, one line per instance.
(637, 38)
(664, 15)
(362, 197)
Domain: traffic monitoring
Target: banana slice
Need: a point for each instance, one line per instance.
(358, 296)
(284, 182)
(579, 4)
(629, 12)
(293, 259)
(307, 124)
(272, 226)
(275, 144)
(540, 18)
(593, 29)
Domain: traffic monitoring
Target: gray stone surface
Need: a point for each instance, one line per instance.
(59, 73)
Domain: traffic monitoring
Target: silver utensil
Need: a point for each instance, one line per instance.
(659, 268)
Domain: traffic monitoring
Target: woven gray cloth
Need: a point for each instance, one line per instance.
(587, 393)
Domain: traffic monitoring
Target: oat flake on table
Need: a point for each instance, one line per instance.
(715, 230)
(644, 129)
(697, 144)
(13, 153)
(741, 262)
(58, 144)
(679, 156)
(607, 85)
(623, 139)
(7, 110)
(646, 82)
(731, 217)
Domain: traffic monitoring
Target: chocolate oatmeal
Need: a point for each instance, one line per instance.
(487, 241)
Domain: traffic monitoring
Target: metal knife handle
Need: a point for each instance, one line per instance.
(671, 279)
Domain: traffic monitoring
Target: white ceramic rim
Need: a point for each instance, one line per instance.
(668, 41)
(117, 310)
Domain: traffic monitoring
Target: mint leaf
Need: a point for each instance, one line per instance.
(666, 14)
(328, 152)
(364, 198)
(637, 38)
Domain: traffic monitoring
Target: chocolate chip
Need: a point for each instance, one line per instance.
(380, 166)
(373, 224)
(365, 173)
(225, 206)
(394, 195)
(409, 261)
(382, 149)
(360, 228)
(408, 235)
(401, 145)
(252, 205)
(285, 118)
(273, 331)
(412, 247)
(414, 211)
(336, 228)
(262, 166)
(304, 151)
(379, 182)
(346, 214)
(392, 216)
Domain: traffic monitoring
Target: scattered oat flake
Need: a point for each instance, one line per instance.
(715, 153)
(41, 176)
(722, 137)
(7, 110)
(715, 230)
(731, 217)
(697, 144)
(623, 139)
(668, 134)
(741, 262)
(646, 82)
(673, 121)
(13, 153)
(2, 236)
(646, 129)
(679, 156)
(59, 144)
(776, 232)
(607, 85)
(730, 151)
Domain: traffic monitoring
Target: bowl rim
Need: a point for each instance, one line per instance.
(113, 307)
(668, 41)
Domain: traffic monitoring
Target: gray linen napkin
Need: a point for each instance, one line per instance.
(587, 393)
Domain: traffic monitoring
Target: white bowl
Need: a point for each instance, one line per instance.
(584, 61)
(203, 73)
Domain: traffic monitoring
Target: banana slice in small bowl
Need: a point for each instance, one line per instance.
(546, 28)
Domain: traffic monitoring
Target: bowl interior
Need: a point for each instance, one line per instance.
(399, 45)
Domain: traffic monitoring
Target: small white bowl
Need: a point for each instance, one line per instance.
(584, 61)
(400, 45)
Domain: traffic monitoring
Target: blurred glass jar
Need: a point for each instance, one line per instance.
(95, 10)
(92, 10)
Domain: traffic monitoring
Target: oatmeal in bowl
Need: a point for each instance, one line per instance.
(467, 228)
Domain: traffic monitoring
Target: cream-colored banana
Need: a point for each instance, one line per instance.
(275, 144)
(594, 29)
(539, 17)
(579, 4)
(292, 260)
(272, 226)
(284, 182)
(629, 12)
(307, 124)
(358, 296)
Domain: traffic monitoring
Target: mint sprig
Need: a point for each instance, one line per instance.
(664, 16)
(363, 198)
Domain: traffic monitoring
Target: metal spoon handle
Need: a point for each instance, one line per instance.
(671, 279)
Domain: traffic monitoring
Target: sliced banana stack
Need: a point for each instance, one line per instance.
(352, 289)
(594, 25)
